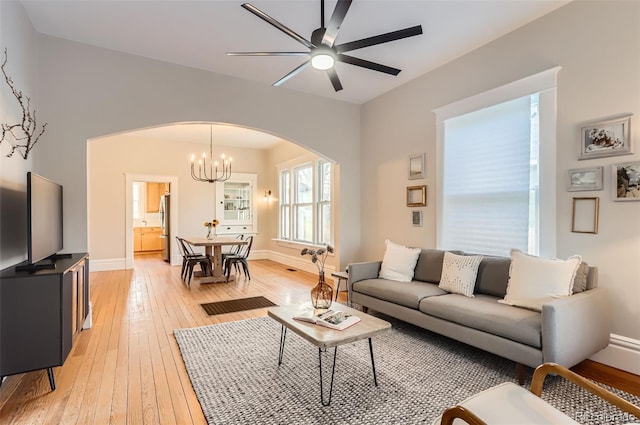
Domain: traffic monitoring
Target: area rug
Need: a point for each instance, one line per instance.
(234, 371)
(232, 306)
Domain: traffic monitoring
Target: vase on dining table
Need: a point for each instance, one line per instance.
(210, 232)
(321, 294)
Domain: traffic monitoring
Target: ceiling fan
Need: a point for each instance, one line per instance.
(323, 52)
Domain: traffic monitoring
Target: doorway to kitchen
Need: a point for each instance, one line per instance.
(151, 217)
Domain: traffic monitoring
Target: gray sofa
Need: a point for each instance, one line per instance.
(567, 331)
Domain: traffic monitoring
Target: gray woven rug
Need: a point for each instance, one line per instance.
(234, 371)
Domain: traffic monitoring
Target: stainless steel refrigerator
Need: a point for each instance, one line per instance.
(165, 223)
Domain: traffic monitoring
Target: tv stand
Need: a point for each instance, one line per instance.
(42, 313)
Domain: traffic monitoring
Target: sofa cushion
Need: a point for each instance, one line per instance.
(399, 262)
(493, 276)
(459, 273)
(580, 281)
(484, 313)
(429, 267)
(407, 294)
(534, 281)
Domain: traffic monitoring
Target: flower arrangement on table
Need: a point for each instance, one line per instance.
(322, 293)
(211, 225)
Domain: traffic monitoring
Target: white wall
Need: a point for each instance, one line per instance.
(600, 77)
(20, 40)
(89, 92)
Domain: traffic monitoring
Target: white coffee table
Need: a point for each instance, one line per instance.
(325, 338)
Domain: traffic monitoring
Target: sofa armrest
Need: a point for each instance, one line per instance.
(575, 327)
(362, 271)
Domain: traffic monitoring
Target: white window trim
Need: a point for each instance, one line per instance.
(544, 83)
(291, 165)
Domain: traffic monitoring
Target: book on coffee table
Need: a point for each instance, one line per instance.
(337, 320)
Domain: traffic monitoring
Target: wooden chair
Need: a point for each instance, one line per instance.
(239, 259)
(509, 403)
(189, 260)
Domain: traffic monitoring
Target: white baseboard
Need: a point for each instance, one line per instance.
(622, 353)
(107, 264)
(298, 262)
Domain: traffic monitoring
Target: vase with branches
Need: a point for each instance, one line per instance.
(322, 293)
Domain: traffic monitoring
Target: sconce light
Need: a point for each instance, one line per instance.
(267, 194)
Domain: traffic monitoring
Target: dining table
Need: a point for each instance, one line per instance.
(213, 250)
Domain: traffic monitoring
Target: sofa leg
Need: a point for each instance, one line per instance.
(521, 371)
(365, 309)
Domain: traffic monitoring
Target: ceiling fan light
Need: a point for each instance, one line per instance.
(322, 61)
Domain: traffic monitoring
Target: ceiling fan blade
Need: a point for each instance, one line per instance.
(260, 14)
(331, 32)
(379, 39)
(335, 81)
(367, 64)
(292, 73)
(267, 53)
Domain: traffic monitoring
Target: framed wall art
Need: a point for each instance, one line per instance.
(605, 138)
(625, 180)
(417, 196)
(584, 179)
(417, 166)
(585, 215)
(416, 218)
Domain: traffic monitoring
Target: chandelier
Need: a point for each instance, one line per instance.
(212, 175)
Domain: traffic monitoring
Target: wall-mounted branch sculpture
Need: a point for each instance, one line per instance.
(23, 133)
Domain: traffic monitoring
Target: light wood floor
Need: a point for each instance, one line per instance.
(127, 368)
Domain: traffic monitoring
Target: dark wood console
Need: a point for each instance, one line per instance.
(41, 314)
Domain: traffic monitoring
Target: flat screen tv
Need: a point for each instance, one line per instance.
(44, 218)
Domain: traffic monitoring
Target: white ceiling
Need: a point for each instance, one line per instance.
(199, 33)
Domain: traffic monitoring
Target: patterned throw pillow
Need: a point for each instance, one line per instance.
(459, 273)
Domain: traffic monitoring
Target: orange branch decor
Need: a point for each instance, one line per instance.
(24, 132)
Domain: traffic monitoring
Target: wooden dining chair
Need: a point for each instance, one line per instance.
(190, 259)
(239, 259)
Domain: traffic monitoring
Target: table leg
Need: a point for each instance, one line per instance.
(283, 336)
(373, 365)
(333, 370)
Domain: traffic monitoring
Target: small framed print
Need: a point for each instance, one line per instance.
(417, 165)
(625, 180)
(417, 196)
(585, 215)
(584, 179)
(605, 138)
(416, 218)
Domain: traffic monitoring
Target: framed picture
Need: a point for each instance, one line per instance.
(585, 215)
(417, 165)
(416, 218)
(417, 196)
(605, 138)
(625, 179)
(584, 179)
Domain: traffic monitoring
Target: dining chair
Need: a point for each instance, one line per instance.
(239, 259)
(232, 250)
(189, 260)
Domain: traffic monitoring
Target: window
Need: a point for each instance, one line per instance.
(138, 198)
(305, 203)
(494, 190)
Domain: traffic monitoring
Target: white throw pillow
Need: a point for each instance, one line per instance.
(459, 273)
(534, 281)
(399, 262)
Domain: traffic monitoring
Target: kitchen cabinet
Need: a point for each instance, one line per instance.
(235, 205)
(147, 239)
(154, 192)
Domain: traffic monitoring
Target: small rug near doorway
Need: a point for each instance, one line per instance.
(232, 306)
